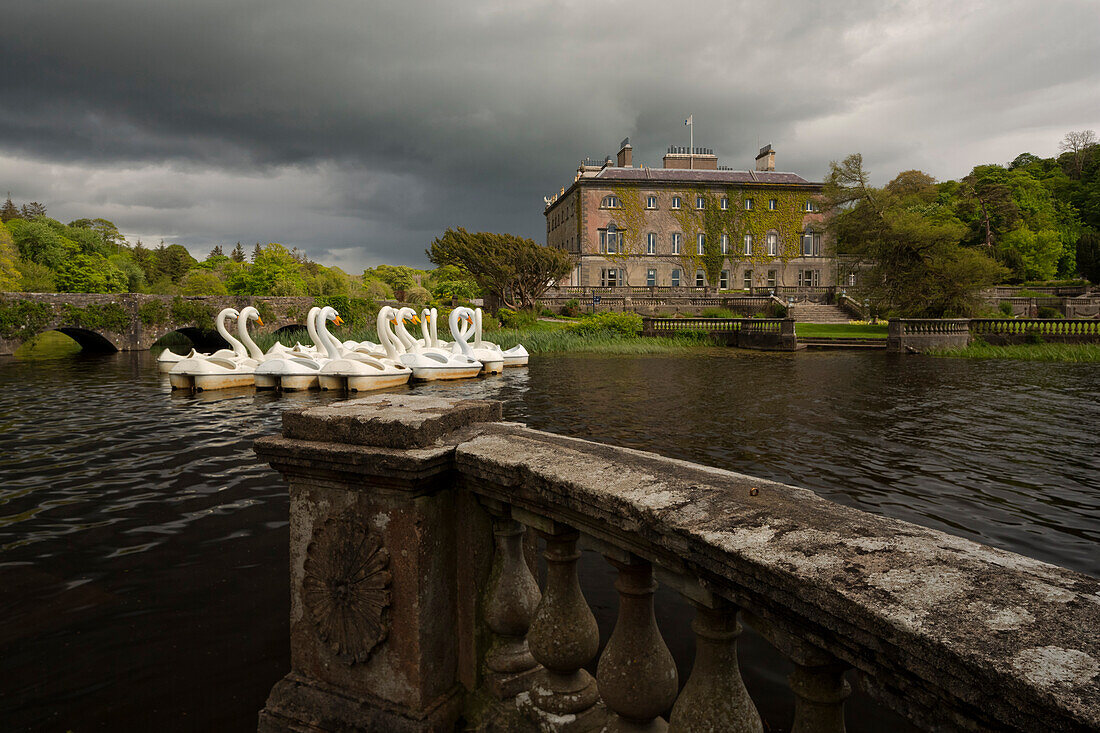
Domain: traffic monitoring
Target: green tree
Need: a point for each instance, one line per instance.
(202, 282)
(33, 210)
(89, 273)
(36, 278)
(275, 272)
(400, 278)
(135, 275)
(514, 269)
(909, 243)
(39, 242)
(1088, 256)
(238, 255)
(9, 255)
(9, 211)
(216, 252)
(172, 262)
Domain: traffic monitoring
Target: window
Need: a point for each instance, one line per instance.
(748, 204)
(651, 243)
(771, 279)
(724, 280)
(610, 202)
(773, 244)
(725, 244)
(748, 244)
(651, 277)
(676, 243)
(748, 279)
(676, 278)
(700, 202)
(851, 279)
(611, 240)
(809, 278)
(675, 202)
(701, 244)
(651, 202)
(773, 204)
(700, 279)
(811, 243)
(725, 203)
(810, 206)
(612, 277)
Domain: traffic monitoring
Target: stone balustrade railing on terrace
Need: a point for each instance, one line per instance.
(414, 606)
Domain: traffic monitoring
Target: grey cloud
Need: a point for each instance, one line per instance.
(362, 129)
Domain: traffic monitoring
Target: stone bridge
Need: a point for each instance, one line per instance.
(133, 321)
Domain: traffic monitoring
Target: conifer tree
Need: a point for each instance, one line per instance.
(9, 211)
(216, 252)
(257, 252)
(237, 255)
(33, 210)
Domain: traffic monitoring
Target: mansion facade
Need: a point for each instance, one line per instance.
(691, 223)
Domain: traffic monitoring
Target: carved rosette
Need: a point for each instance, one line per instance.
(346, 587)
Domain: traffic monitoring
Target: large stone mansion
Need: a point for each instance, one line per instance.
(691, 223)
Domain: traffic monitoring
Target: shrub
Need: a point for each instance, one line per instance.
(516, 319)
(623, 324)
(418, 295)
(1005, 307)
(718, 313)
(153, 313)
(779, 311)
(1048, 312)
(572, 308)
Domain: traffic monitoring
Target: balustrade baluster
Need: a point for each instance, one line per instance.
(819, 693)
(510, 602)
(636, 674)
(714, 697)
(563, 638)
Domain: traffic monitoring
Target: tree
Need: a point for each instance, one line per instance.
(1075, 143)
(39, 242)
(257, 251)
(202, 282)
(910, 246)
(9, 211)
(514, 269)
(237, 255)
(33, 210)
(275, 272)
(172, 262)
(1088, 256)
(9, 271)
(89, 273)
(216, 252)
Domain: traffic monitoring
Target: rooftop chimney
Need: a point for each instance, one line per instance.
(765, 159)
(684, 157)
(626, 154)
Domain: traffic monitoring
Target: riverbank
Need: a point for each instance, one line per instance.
(1073, 353)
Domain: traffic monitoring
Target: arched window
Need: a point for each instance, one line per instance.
(610, 202)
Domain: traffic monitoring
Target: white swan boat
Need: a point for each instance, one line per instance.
(168, 358)
(280, 349)
(515, 356)
(291, 372)
(435, 365)
(359, 372)
(225, 368)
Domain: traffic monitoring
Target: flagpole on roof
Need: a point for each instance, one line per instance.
(690, 122)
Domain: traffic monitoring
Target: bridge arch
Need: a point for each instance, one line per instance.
(89, 341)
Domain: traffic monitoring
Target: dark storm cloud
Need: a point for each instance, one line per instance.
(359, 130)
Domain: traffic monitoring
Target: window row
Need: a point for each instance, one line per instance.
(616, 276)
(611, 242)
(613, 202)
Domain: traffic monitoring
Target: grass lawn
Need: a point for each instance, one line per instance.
(1027, 352)
(840, 330)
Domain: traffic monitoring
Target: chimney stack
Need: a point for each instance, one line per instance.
(626, 154)
(765, 159)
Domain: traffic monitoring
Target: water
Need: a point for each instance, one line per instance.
(143, 550)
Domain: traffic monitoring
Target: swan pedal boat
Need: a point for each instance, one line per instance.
(436, 364)
(212, 372)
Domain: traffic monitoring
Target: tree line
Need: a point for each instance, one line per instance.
(926, 248)
(40, 254)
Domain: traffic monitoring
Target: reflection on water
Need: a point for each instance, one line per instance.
(143, 549)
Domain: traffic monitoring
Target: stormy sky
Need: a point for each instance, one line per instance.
(358, 131)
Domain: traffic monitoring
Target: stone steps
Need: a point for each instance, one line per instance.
(818, 313)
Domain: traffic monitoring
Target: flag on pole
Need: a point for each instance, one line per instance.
(688, 121)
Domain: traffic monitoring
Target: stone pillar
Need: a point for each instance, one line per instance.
(714, 697)
(563, 638)
(817, 682)
(510, 602)
(636, 674)
(374, 631)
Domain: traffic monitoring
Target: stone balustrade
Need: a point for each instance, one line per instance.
(414, 606)
(768, 334)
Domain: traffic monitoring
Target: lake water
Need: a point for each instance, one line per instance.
(143, 548)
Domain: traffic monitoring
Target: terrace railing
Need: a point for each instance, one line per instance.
(414, 605)
(1043, 326)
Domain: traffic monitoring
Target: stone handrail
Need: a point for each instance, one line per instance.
(909, 326)
(413, 603)
(1053, 326)
(851, 306)
(719, 325)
